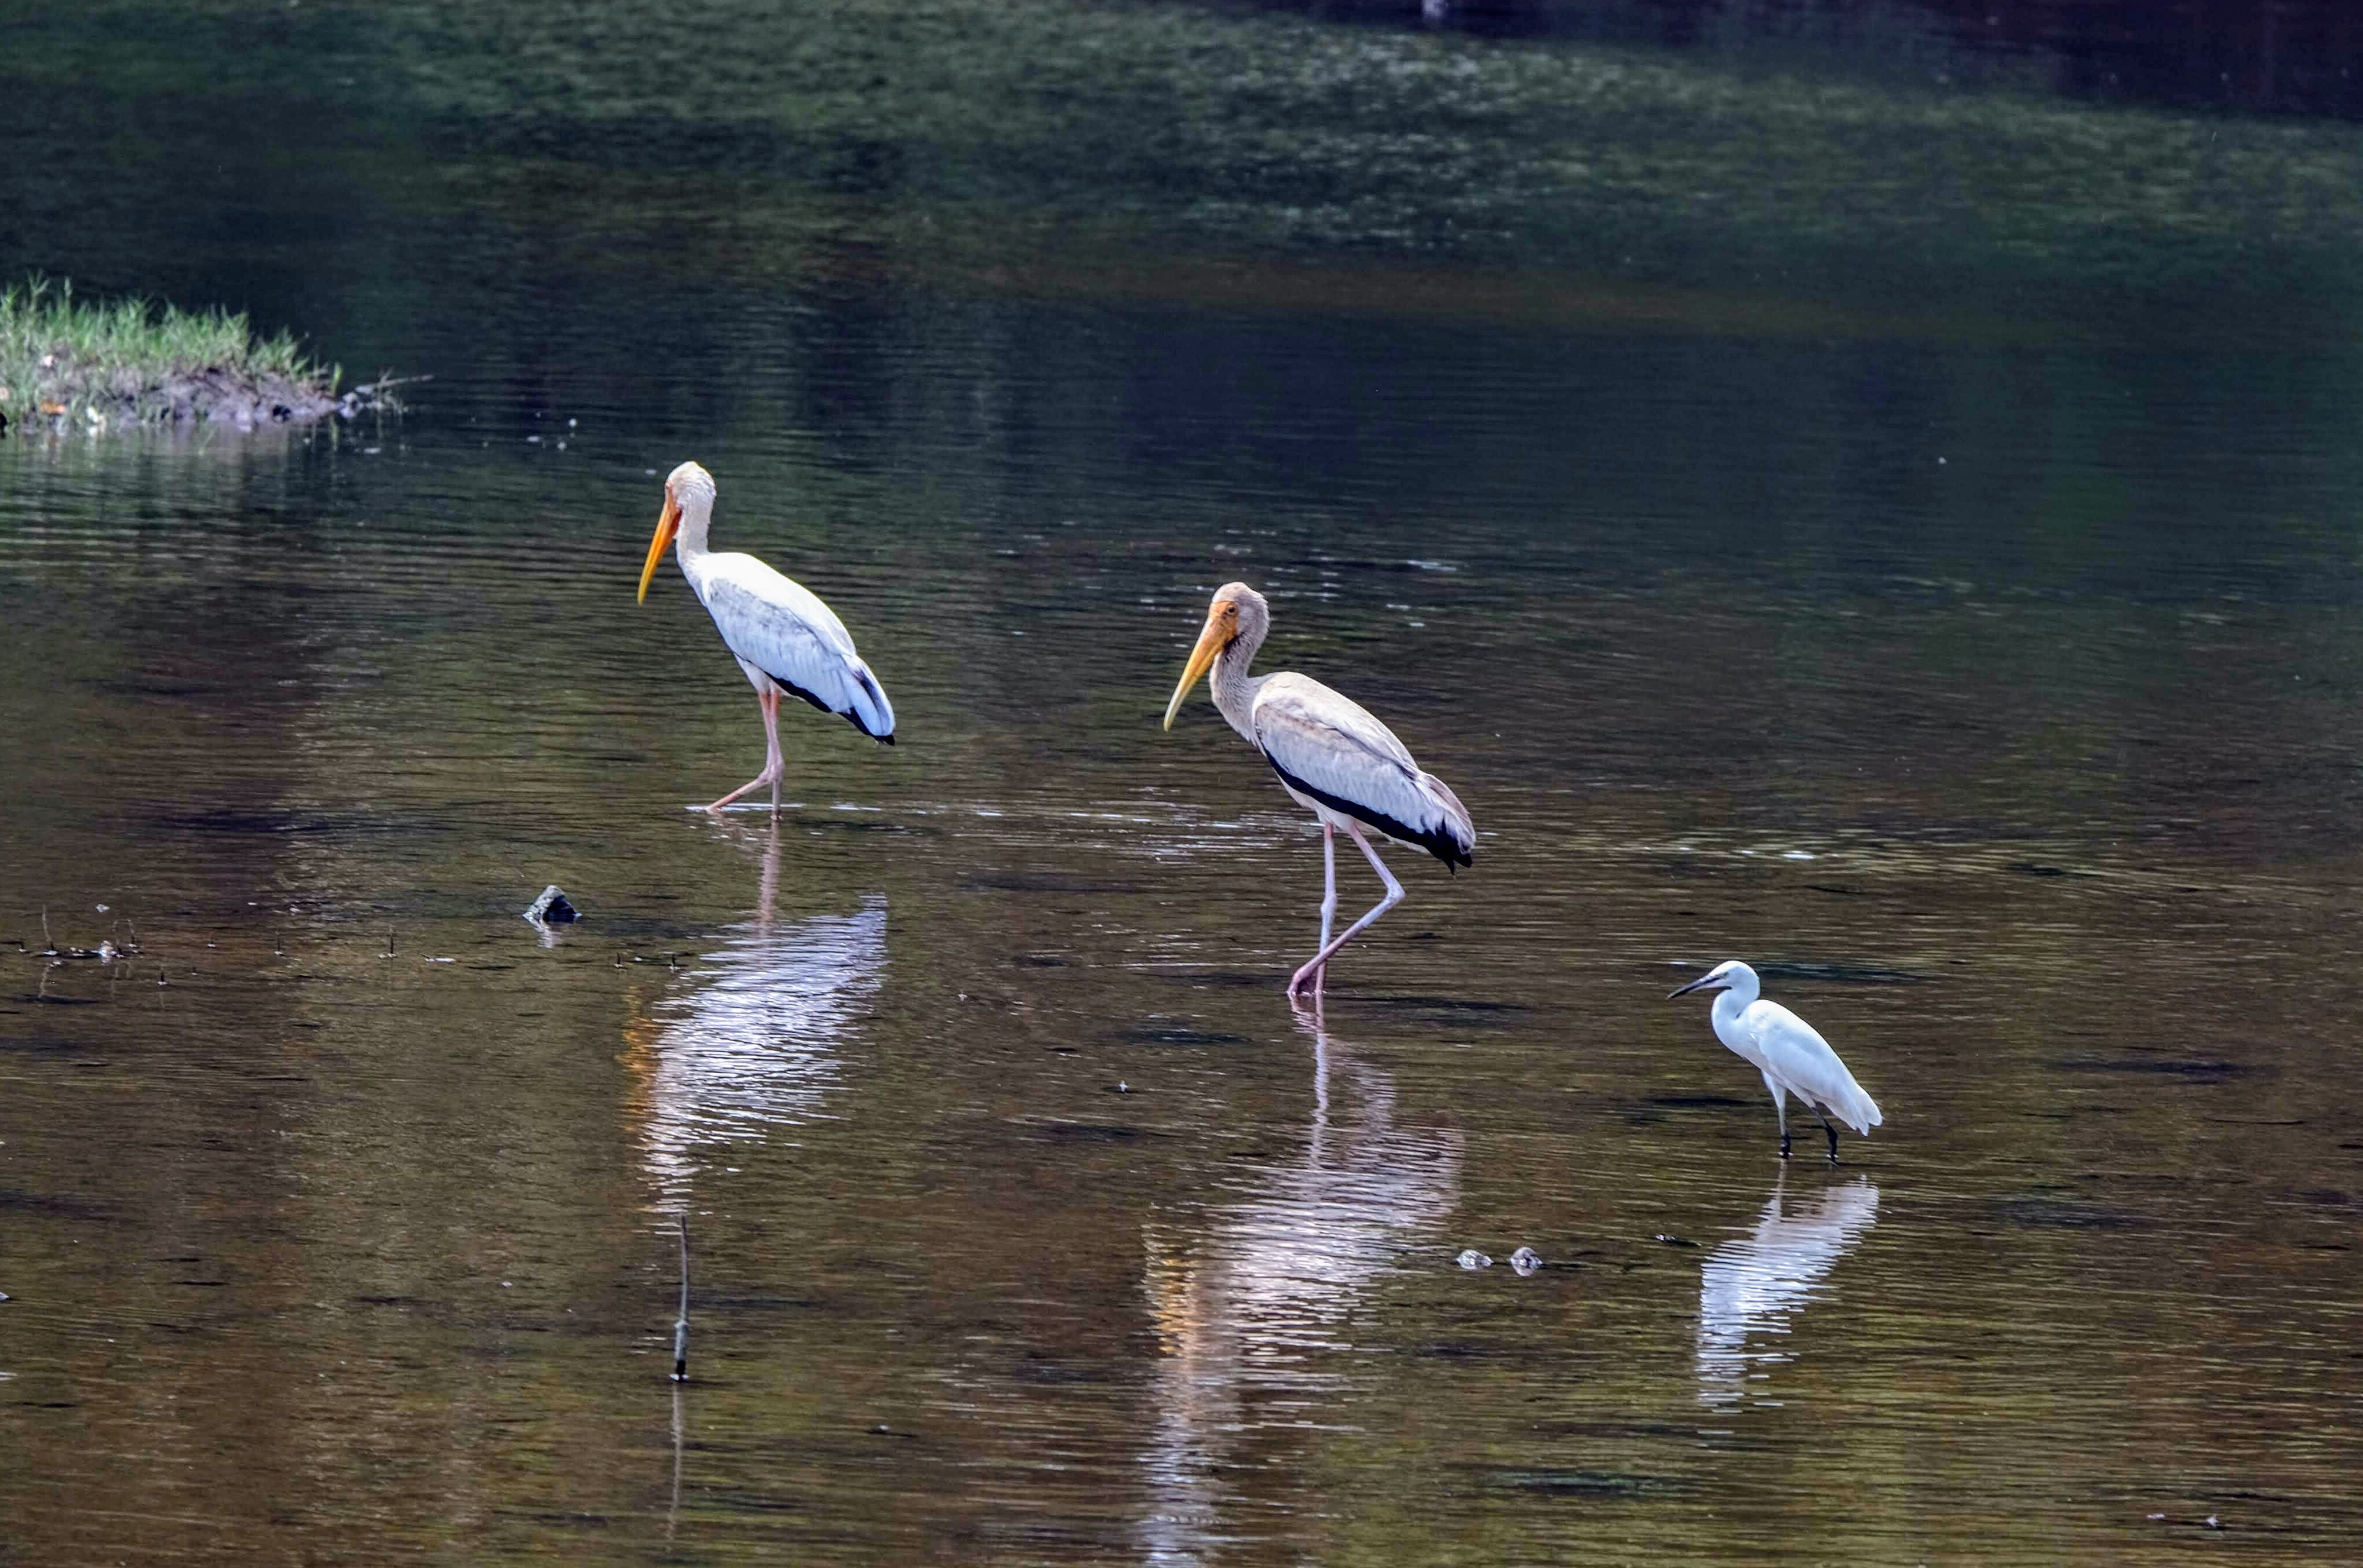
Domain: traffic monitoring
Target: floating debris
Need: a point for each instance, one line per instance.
(1672, 1241)
(552, 908)
(1525, 1259)
(1474, 1259)
(105, 952)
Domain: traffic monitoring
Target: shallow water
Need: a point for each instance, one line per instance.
(1966, 635)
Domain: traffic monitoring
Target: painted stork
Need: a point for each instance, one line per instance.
(1333, 758)
(1793, 1056)
(783, 636)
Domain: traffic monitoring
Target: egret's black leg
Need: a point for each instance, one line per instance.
(1832, 1132)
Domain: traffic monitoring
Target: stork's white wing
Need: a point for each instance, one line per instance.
(1802, 1061)
(1334, 751)
(780, 627)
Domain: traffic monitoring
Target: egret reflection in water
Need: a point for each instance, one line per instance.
(747, 1040)
(1753, 1285)
(1247, 1314)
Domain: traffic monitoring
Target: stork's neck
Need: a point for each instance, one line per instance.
(1234, 690)
(696, 515)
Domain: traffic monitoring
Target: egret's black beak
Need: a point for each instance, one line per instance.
(1688, 989)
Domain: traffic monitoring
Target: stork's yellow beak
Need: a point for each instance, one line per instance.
(668, 525)
(1222, 625)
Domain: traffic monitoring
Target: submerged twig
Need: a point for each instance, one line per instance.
(673, 1515)
(681, 1324)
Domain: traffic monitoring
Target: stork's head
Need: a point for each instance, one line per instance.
(1729, 975)
(687, 488)
(1237, 611)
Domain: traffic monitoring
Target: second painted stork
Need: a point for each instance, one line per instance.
(1333, 757)
(783, 636)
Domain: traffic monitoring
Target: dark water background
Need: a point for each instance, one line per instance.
(1826, 486)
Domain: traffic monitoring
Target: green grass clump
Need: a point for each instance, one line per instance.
(135, 362)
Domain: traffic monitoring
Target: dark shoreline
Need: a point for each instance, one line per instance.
(218, 396)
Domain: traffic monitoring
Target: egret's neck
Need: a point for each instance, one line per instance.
(1736, 997)
(1234, 691)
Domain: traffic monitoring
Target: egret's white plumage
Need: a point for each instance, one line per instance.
(784, 637)
(1333, 756)
(1789, 1052)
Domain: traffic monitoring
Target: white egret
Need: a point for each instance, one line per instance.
(783, 636)
(1333, 758)
(1794, 1058)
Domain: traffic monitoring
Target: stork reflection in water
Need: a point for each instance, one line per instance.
(746, 1041)
(1254, 1318)
(1753, 1285)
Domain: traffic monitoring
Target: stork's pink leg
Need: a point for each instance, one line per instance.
(773, 763)
(1328, 900)
(1395, 895)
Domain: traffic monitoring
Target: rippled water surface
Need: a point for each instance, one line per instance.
(1899, 534)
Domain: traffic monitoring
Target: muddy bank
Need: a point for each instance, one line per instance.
(71, 363)
(214, 395)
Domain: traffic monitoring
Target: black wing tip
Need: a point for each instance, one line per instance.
(850, 715)
(1451, 851)
(853, 716)
(1436, 842)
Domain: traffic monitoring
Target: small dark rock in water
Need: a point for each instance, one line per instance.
(1672, 1241)
(1525, 1260)
(552, 908)
(1474, 1259)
